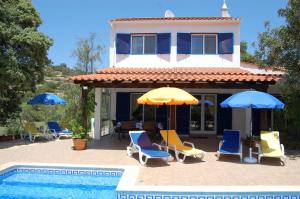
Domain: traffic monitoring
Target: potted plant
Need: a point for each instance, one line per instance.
(254, 141)
(80, 137)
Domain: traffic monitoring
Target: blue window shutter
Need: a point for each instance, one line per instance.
(123, 107)
(183, 43)
(163, 43)
(225, 43)
(123, 43)
(224, 115)
(183, 119)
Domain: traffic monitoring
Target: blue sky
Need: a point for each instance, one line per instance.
(65, 21)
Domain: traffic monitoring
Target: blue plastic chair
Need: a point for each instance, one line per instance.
(231, 144)
(57, 130)
(140, 143)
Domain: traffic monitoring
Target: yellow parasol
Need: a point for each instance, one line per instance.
(167, 96)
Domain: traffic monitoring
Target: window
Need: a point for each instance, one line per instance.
(139, 112)
(137, 45)
(143, 44)
(197, 44)
(204, 44)
(149, 113)
(210, 44)
(136, 110)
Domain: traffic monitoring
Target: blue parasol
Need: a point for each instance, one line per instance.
(252, 99)
(47, 99)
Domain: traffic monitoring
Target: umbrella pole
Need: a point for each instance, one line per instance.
(250, 159)
(168, 126)
(251, 133)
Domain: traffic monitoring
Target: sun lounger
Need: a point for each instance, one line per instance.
(270, 146)
(140, 143)
(33, 132)
(184, 148)
(57, 130)
(231, 144)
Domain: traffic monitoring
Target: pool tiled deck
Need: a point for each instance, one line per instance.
(228, 171)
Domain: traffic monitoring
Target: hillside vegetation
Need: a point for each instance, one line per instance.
(55, 81)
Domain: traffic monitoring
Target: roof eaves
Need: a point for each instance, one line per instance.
(176, 19)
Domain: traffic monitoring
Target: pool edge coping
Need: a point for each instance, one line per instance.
(130, 175)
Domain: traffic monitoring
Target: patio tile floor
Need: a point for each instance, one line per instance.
(227, 171)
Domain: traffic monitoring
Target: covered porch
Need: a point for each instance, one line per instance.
(116, 91)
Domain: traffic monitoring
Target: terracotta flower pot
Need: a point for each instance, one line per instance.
(79, 144)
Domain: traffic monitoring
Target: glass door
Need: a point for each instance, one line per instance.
(196, 113)
(203, 115)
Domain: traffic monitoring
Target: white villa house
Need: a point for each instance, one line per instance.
(198, 54)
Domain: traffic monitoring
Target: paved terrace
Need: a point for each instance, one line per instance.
(227, 171)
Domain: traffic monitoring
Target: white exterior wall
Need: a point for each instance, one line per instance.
(241, 121)
(174, 60)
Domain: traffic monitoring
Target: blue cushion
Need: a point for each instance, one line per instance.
(231, 142)
(141, 139)
(154, 152)
(54, 125)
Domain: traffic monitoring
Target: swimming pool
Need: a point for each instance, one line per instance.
(38, 180)
(56, 182)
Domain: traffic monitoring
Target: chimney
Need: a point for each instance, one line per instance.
(225, 12)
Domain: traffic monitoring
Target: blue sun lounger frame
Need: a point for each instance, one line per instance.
(140, 143)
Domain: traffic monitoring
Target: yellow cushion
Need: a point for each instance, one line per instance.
(190, 150)
(30, 128)
(171, 137)
(174, 140)
(270, 144)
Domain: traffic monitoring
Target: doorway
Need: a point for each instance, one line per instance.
(203, 115)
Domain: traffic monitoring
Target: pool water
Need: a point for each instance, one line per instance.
(59, 183)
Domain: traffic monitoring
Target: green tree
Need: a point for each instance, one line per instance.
(88, 53)
(245, 55)
(280, 48)
(23, 54)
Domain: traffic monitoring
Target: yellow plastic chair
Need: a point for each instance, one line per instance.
(270, 146)
(185, 148)
(33, 132)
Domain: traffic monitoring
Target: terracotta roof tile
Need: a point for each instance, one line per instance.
(178, 19)
(176, 74)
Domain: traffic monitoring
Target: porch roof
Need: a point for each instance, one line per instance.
(178, 75)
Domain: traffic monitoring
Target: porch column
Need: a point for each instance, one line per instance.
(97, 133)
(84, 98)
